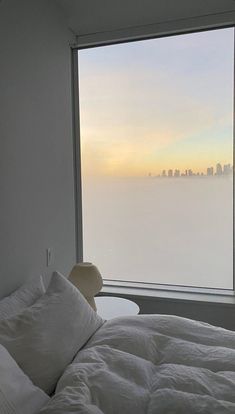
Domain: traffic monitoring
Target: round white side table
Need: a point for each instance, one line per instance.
(109, 307)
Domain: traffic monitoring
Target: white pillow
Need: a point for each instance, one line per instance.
(44, 338)
(23, 297)
(17, 393)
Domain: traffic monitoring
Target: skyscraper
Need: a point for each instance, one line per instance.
(210, 171)
(227, 169)
(219, 170)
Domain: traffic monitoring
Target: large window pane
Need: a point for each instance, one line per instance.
(156, 120)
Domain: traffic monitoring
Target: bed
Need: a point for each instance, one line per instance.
(137, 364)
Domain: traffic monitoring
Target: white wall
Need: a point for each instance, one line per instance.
(36, 159)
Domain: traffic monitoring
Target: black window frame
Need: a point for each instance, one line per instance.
(78, 175)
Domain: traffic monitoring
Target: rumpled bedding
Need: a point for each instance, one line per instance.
(150, 364)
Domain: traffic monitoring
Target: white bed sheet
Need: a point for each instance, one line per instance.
(150, 364)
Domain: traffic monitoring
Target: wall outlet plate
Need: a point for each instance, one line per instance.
(49, 256)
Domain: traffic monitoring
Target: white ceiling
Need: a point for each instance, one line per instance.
(94, 16)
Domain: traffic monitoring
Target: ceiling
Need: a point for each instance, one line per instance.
(94, 16)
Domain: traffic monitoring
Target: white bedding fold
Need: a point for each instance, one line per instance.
(6, 407)
(150, 364)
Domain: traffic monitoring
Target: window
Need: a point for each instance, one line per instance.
(156, 130)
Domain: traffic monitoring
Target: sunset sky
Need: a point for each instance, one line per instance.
(157, 104)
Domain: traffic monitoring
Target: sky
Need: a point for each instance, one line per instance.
(157, 104)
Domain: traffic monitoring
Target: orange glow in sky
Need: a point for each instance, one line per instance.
(157, 104)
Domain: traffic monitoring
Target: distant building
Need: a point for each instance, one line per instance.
(210, 171)
(170, 173)
(219, 170)
(190, 173)
(164, 173)
(177, 173)
(227, 169)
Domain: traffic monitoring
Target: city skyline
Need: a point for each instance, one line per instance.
(165, 101)
(219, 170)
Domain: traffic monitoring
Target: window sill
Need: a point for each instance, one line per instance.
(168, 293)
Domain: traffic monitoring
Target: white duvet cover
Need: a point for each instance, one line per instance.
(150, 364)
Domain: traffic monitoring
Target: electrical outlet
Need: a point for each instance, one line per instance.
(49, 256)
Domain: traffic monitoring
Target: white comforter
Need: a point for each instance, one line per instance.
(150, 364)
